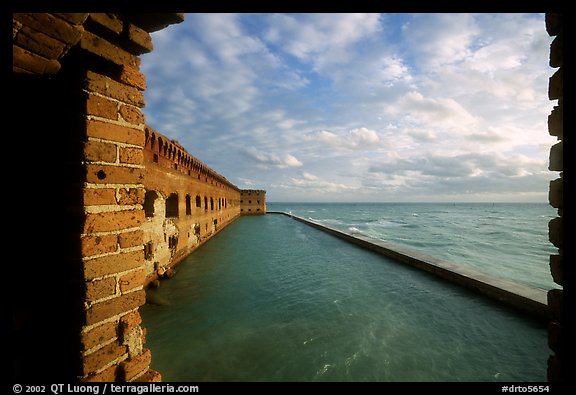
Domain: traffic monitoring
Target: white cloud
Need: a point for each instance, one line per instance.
(320, 38)
(444, 100)
(271, 159)
(359, 139)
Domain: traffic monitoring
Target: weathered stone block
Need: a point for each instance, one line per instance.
(138, 40)
(113, 220)
(129, 196)
(50, 25)
(131, 155)
(99, 289)
(111, 264)
(112, 307)
(132, 76)
(132, 280)
(26, 60)
(113, 132)
(101, 107)
(99, 151)
(98, 335)
(100, 358)
(105, 49)
(108, 87)
(99, 196)
(132, 115)
(136, 366)
(131, 239)
(110, 174)
(96, 245)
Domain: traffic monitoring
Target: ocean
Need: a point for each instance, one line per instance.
(272, 299)
(508, 240)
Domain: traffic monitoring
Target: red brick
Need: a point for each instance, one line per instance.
(99, 151)
(109, 308)
(136, 365)
(99, 335)
(112, 132)
(98, 196)
(131, 155)
(112, 264)
(129, 196)
(132, 115)
(33, 63)
(76, 18)
(151, 376)
(108, 87)
(51, 26)
(96, 245)
(110, 174)
(108, 375)
(105, 49)
(132, 280)
(132, 76)
(131, 239)
(114, 220)
(99, 289)
(139, 40)
(101, 107)
(129, 322)
(100, 358)
(108, 22)
(556, 193)
(39, 43)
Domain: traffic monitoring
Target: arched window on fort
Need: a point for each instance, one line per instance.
(172, 206)
(212, 204)
(188, 205)
(205, 203)
(198, 201)
(149, 200)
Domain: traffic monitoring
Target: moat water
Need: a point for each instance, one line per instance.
(272, 299)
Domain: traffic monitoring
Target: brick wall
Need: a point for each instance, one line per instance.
(79, 92)
(557, 363)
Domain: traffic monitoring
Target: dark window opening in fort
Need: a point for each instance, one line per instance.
(149, 199)
(205, 203)
(155, 158)
(212, 204)
(172, 206)
(172, 242)
(198, 201)
(148, 251)
(188, 205)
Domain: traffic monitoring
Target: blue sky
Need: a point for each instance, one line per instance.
(360, 107)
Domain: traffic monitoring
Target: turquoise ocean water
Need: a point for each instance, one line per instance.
(272, 299)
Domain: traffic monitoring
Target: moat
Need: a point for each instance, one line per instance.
(270, 299)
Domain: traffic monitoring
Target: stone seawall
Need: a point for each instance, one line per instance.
(526, 299)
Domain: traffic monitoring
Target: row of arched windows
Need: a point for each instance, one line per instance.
(172, 207)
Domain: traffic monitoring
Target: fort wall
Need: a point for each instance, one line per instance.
(112, 201)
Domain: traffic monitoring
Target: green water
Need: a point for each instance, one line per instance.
(270, 299)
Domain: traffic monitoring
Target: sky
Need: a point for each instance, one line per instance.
(351, 107)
